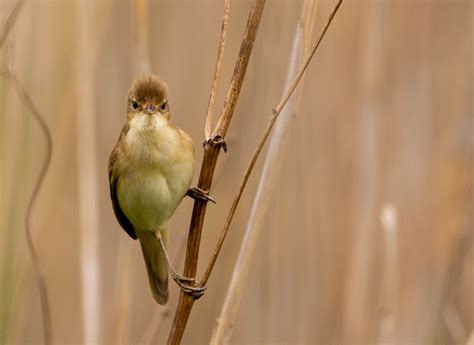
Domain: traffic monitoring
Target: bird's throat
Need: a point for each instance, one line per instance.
(150, 140)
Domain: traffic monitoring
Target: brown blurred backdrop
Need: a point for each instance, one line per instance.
(368, 238)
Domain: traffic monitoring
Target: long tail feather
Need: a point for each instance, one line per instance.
(156, 264)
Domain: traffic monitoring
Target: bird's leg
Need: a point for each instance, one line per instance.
(185, 284)
(198, 193)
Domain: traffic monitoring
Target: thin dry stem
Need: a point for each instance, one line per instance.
(40, 280)
(277, 147)
(10, 21)
(211, 153)
(212, 149)
(25, 98)
(220, 54)
(262, 141)
(239, 71)
(308, 59)
(224, 325)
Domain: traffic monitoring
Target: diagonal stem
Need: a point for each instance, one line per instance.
(262, 141)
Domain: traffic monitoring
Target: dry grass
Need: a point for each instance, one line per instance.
(386, 117)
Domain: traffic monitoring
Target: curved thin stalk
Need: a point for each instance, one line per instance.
(28, 102)
(40, 280)
(262, 141)
(220, 54)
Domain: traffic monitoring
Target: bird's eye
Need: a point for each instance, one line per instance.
(163, 106)
(135, 105)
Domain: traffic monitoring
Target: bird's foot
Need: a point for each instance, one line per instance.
(198, 193)
(188, 286)
(216, 140)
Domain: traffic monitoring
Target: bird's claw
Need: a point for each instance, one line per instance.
(198, 193)
(216, 140)
(184, 284)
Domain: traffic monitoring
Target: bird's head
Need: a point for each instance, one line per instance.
(148, 96)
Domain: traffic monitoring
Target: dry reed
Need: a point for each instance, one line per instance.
(211, 153)
(87, 180)
(25, 98)
(219, 133)
(277, 148)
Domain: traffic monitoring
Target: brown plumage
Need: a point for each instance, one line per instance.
(148, 87)
(150, 170)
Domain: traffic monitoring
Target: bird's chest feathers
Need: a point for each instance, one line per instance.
(159, 172)
(151, 141)
(156, 147)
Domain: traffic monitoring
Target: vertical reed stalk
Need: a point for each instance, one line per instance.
(87, 172)
(357, 315)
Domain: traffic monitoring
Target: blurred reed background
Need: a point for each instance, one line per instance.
(368, 236)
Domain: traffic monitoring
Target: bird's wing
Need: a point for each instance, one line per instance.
(113, 178)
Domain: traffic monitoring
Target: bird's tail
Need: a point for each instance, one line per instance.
(156, 264)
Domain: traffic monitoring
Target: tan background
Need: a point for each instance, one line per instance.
(386, 119)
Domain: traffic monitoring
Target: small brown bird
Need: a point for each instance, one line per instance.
(150, 171)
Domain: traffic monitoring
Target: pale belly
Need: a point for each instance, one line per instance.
(149, 199)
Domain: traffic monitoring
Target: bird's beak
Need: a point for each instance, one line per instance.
(150, 109)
